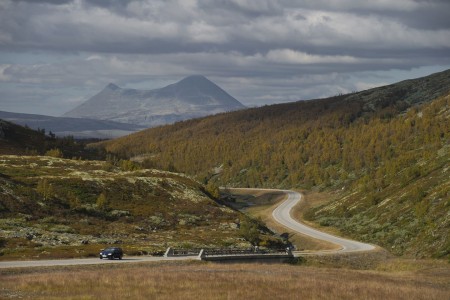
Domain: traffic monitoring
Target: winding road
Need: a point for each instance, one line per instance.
(281, 214)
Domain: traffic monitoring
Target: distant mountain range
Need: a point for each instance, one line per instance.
(194, 96)
(76, 127)
(116, 112)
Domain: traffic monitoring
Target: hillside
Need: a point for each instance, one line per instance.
(387, 147)
(16, 139)
(76, 127)
(58, 207)
(191, 97)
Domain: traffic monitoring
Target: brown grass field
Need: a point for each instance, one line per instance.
(198, 280)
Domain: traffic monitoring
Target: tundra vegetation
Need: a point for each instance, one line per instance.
(55, 207)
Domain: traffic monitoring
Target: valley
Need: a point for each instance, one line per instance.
(243, 149)
(370, 171)
(382, 153)
(384, 163)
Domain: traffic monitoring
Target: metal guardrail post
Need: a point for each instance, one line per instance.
(202, 254)
(169, 252)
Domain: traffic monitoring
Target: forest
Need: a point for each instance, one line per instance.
(320, 143)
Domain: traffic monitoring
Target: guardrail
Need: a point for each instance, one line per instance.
(220, 252)
(228, 254)
(171, 252)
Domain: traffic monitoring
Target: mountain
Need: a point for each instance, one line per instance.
(194, 96)
(76, 127)
(383, 154)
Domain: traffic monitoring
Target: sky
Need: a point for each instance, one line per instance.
(56, 54)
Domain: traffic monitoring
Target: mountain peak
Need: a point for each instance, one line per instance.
(196, 77)
(198, 80)
(112, 86)
(192, 97)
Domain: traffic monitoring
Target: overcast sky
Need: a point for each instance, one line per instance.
(55, 54)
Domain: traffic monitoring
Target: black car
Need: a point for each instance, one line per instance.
(111, 253)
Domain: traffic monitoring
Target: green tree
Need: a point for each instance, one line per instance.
(102, 202)
(249, 231)
(213, 190)
(45, 189)
(74, 201)
(54, 153)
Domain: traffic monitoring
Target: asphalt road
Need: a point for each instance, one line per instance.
(282, 214)
(86, 261)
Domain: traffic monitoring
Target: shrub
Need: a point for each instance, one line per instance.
(102, 202)
(54, 153)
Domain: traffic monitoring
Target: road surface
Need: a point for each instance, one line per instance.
(282, 214)
(86, 261)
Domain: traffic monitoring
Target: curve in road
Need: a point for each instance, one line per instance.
(282, 214)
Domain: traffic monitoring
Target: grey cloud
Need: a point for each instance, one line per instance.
(54, 2)
(262, 51)
(161, 27)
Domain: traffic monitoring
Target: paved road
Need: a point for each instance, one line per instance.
(282, 214)
(86, 261)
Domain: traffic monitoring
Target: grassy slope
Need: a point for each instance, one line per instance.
(15, 139)
(403, 206)
(386, 150)
(48, 208)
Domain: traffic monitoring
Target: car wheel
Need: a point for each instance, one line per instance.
(101, 257)
(120, 257)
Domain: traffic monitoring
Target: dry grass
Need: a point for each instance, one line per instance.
(216, 281)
